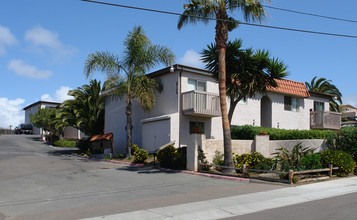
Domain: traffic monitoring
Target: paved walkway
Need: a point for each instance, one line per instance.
(244, 204)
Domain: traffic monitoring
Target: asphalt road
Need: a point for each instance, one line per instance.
(38, 181)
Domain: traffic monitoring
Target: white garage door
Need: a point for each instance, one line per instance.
(155, 134)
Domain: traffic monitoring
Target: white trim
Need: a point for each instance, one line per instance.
(159, 118)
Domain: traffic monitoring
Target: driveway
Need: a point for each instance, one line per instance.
(38, 181)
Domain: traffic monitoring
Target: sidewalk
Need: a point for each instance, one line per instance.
(244, 204)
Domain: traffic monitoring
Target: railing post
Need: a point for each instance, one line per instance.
(291, 176)
(330, 173)
(244, 169)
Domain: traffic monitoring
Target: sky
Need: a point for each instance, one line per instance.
(44, 44)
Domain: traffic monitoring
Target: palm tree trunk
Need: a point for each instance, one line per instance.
(129, 127)
(221, 42)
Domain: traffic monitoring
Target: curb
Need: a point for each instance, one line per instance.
(231, 178)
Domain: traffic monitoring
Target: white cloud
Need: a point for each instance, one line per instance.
(43, 40)
(11, 112)
(6, 39)
(350, 100)
(22, 69)
(192, 58)
(59, 96)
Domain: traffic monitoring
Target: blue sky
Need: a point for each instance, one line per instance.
(44, 44)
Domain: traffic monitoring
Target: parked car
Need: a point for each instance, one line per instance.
(24, 129)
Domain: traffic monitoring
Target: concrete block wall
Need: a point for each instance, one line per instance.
(260, 144)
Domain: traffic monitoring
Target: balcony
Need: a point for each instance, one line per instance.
(325, 120)
(198, 103)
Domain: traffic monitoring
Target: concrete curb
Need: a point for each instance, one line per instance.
(232, 178)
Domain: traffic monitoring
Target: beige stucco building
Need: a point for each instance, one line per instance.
(189, 103)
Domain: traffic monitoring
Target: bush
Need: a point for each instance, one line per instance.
(347, 141)
(218, 158)
(134, 148)
(339, 159)
(83, 144)
(140, 155)
(292, 160)
(247, 132)
(311, 161)
(170, 157)
(203, 160)
(64, 143)
(253, 161)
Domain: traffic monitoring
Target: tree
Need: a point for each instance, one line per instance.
(140, 55)
(325, 86)
(248, 72)
(199, 11)
(45, 118)
(86, 111)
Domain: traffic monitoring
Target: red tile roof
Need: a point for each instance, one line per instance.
(290, 87)
(102, 137)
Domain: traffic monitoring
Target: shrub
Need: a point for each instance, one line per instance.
(170, 157)
(64, 143)
(83, 144)
(218, 158)
(134, 148)
(247, 132)
(254, 160)
(202, 159)
(311, 161)
(291, 160)
(347, 141)
(140, 155)
(339, 159)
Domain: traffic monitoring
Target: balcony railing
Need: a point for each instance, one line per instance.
(325, 120)
(198, 103)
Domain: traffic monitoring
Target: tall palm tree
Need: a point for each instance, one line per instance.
(126, 76)
(248, 72)
(86, 111)
(323, 85)
(198, 11)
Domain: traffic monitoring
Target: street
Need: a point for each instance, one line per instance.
(38, 181)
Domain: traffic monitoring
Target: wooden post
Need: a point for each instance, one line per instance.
(330, 173)
(244, 169)
(291, 176)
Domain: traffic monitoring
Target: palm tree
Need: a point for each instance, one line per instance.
(140, 55)
(325, 86)
(86, 111)
(248, 72)
(198, 11)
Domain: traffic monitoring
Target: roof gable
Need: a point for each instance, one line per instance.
(290, 87)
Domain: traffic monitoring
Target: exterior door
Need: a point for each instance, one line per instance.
(155, 134)
(265, 112)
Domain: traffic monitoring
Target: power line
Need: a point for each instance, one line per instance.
(214, 19)
(310, 14)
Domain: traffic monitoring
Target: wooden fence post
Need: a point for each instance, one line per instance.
(291, 176)
(244, 169)
(330, 173)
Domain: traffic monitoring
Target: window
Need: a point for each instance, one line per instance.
(291, 103)
(197, 127)
(196, 85)
(319, 106)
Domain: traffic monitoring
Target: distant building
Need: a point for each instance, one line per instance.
(31, 109)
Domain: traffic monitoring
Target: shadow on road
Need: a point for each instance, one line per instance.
(144, 170)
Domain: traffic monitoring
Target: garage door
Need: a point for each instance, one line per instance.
(155, 134)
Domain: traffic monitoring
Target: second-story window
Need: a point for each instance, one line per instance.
(319, 106)
(194, 84)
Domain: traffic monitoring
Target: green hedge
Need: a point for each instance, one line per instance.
(247, 132)
(170, 157)
(347, 141)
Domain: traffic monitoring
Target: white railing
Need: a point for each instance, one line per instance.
(200, 103)
(325, 120)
